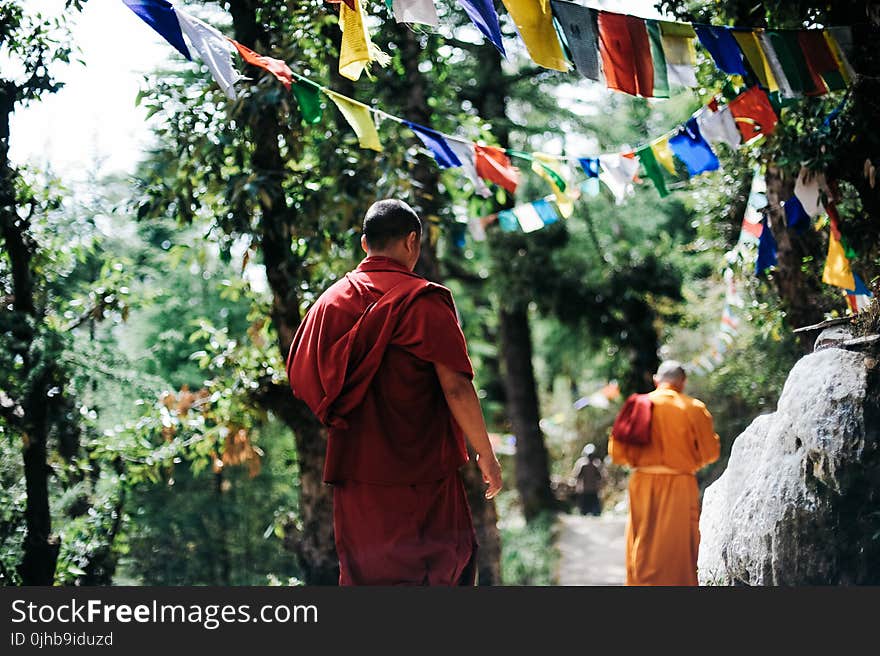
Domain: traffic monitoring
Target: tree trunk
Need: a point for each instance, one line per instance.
(426, 199)
(532, 465)
(315, 547)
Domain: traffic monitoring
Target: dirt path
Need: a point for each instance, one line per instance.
(591, 550)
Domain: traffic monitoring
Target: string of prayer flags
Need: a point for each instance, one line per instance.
(626, 54)
(717, 125)
(160, 15)
(309, 99)
(357, 50)
(494, 165)
(529, 217)
(214, 49)
(415, 11)
(753, 113)
(437, 144)
(580, 28)
(652, 169)
(482, 13)
(534, 22)
(691, 148)
(358, 117)
(723, 47)
(766, 249)
(464, 151)
(276, 67)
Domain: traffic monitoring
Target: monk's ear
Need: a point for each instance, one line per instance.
(364, 243)
(412, 240)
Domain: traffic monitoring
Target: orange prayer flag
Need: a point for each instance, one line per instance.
(275, 66)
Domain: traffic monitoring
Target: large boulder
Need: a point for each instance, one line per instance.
(798, 502)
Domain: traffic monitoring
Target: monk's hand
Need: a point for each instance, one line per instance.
(491, 469)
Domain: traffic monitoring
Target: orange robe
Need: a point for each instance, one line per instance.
(663, 531)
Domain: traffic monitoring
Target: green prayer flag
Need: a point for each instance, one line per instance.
(788, 51)
(652, 169)
(309, 99)
(661, 80)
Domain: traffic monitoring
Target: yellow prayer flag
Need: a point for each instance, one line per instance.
(359, 118)
(837, 270)
(754, 53)
(842, 62)
(534, 20)
(678, 43)
(564, 198)
(663, 154)
(357, 50)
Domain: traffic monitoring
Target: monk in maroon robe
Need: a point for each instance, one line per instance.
(381, 360)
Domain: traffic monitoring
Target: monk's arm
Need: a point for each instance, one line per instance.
(708, 444)
(465, 407)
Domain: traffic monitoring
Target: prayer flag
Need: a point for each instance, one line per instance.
(528, 217)
(751, 232)
(661, 77)
(750, 45)
(579, 25)
(159, 14)
(679, 52)
(214, 49)
(723, 47)
(464, 151)
(534, 21)
(652, 169)
(548, 168)
(837, 270)
(349, 3)
(719, 126)
(309, 99)
(494, 165)
(357, 51)
(476, 228)
(860, 288)
(484, 16)
(415, 11)
(692, 149)
(753, 113)
(626, 54)
(359, 118)
(766, 250)
(275, 66)
(618, 172)
(663, 154)
(795, 215)
(808, 190)
(839, 39)
(546, 210)
(788, 52)
(436, 143)
(507, 221)
(590, 165)
(786, 90)
(822, 64)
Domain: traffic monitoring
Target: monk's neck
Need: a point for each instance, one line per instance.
(379, 258)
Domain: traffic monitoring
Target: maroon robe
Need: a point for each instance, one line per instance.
(363, 361)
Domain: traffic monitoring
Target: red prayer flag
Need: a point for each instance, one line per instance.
(275, 66)
(820, 60)
(753, 228)
(626, 54)
(495, 166)
(753, 113)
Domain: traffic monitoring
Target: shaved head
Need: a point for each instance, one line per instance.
(671, 372)
(388, 221)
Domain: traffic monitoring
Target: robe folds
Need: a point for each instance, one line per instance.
(363, 361)
(663, 531)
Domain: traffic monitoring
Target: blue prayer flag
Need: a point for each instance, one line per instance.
(159, 14)
(861, 289)
(690, 147)
(484, 16)
(507, 221)
(721, 44)
(766, 250)
(590, 165)
(546, 211)
(436, 143)
(795, 214)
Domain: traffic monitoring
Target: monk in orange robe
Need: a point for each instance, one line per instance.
(663, 531)
(382, 362)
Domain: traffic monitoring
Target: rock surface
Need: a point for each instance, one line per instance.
(799, 502)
